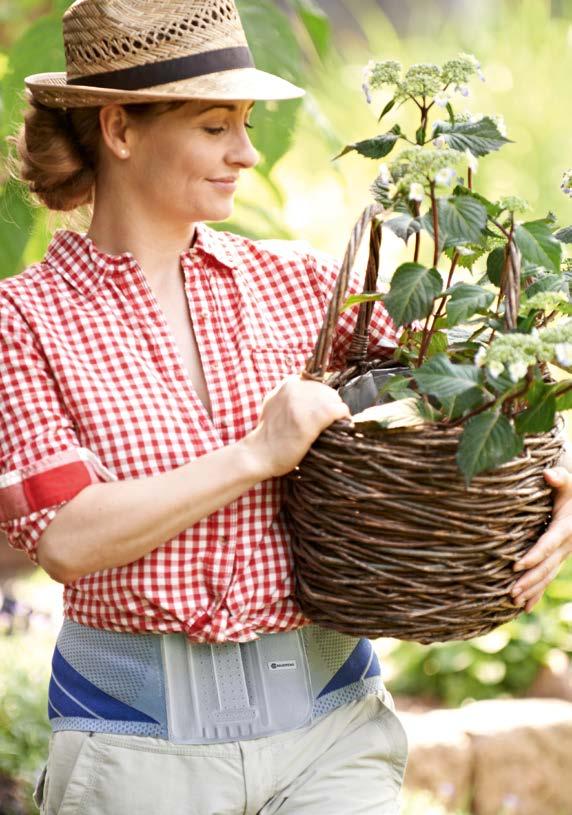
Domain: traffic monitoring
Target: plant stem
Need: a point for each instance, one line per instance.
(428, 334)
(417, 210)
(500, 400)
(435, 225)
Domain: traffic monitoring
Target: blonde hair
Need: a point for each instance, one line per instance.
(58, 151)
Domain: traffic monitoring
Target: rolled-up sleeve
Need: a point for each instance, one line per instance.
(383, 335)
(42, 462)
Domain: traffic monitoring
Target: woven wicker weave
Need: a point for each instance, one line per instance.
(387, 539)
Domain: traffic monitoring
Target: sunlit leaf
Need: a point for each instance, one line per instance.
(442, 378)
(539, 416)
(538, 245)
(480, 137)
(466, 300)
(412, 292)
(488, 440)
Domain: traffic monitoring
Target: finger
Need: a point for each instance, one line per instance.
(555, 537)
(561, 480)
(536, 579)
(532, 602)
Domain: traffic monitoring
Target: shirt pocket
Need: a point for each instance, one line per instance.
(273, 363)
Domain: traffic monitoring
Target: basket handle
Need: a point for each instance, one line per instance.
(315, 365)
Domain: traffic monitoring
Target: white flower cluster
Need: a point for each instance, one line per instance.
(515, 353)
(459, 70)
(422, 79)
(566, 185)
(415, 167)
(513, 203)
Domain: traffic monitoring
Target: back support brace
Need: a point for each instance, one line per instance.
(165, 686)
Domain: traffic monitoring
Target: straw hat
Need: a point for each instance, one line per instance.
(155, 51)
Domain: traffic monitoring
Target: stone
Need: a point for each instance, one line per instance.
(440, 757)
(498, 757)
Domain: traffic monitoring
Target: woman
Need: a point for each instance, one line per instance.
(150, 401)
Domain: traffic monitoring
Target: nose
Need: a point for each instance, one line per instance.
(241, 152)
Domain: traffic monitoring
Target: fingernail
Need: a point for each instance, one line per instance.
(519, 567)
(520, 601)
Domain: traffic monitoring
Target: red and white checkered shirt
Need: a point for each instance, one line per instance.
(93, 388)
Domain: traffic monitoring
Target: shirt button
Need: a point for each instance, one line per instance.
(223, 423)
(224, 540)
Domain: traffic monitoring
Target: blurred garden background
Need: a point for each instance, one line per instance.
(299, 192)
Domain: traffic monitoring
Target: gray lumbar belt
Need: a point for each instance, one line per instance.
(165, 686)
(235, 690)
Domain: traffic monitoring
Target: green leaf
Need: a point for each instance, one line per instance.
(390, 105)
(564, 235)
(465, 300)
(39, 49)
(463, 402)
(467, 258)
(317, 24)
(16, 222)
(276, 50)
(397, 387)
(538, 245)
(440, 377)
(488, 440)
(480, 137)
(437, 344)
(378, 147)
(492, 208)
(461, 220)
(564, 402)
(365, 297)
(540, 415)
(420, 135)
(412, 292)
(548, 282)
(495, 265)
(404, 226)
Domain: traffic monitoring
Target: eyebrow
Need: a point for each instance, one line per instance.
(224, 106)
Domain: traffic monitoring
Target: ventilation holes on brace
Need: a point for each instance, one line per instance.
(214, 15)
(183, 26)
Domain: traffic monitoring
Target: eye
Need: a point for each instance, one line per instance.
(249, 126)
(214, 131)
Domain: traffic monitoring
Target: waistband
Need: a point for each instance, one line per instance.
(165, 686)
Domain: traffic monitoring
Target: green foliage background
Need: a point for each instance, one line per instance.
(525, 47)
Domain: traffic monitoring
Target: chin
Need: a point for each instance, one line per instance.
(215, 214)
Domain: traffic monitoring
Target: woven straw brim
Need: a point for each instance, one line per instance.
(246, 83)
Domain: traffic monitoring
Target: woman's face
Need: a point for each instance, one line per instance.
(185, 163)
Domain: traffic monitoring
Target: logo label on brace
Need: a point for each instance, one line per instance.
(282, 665)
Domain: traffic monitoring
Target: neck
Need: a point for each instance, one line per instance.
(155, 241)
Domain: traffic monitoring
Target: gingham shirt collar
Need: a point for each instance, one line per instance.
(68, 251)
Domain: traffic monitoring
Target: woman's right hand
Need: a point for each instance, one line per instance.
(292, 416)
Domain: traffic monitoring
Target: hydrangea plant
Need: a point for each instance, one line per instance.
(483, 317)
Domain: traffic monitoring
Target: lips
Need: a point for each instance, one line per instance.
(228, 184)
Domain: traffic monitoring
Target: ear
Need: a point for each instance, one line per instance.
(114, 123)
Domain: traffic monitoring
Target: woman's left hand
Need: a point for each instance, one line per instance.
(543, 561)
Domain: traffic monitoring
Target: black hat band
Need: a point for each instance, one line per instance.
(170, 70)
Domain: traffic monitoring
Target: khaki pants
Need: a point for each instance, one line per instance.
(349, 762)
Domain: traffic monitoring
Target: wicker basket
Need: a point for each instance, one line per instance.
(387, 539)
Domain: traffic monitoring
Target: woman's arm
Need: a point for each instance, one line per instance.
(112, 524)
